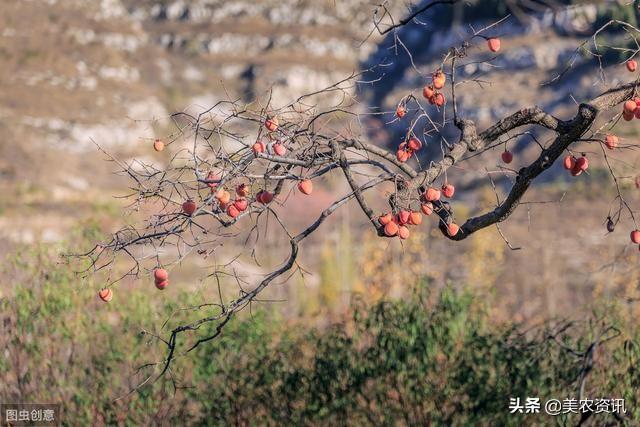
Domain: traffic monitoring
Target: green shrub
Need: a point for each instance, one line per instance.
(427, 359)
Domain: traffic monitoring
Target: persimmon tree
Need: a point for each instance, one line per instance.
(239, 162)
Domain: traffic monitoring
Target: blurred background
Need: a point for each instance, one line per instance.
(112, 71)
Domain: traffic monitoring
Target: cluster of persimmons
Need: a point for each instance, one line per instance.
(394, 223)
(397, 225)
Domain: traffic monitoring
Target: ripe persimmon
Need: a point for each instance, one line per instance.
(271, 124)
(630, 106)
(233, 211)
(264, 197)
(611, 141)
(403, 217)
(439, 79)
(415, 218)
(258, 147)
(305, 186)
(414, 144)
(438, 99)
(279, 149)
(162, 284)
(507, 156)
(632, 65)
(582, 163)
(105, 294)
(403, 155)
(385, 219)
(189, 207)
(160, 274)
(223, 196)
(635, 236)
(432, 194)
(428, 92)
(448, 190)
(494, 44)
(427, 208)
(391, 229)
(569, 162)
(241, 204)
(403, 232)
(158, 145)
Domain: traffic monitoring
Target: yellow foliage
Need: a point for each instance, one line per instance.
(387, 267)
(337, 268)
(487, 252)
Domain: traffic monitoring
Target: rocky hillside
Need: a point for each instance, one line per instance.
(78, 72)
(537, 48)
(78, 69)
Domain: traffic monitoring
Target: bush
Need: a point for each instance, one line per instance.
(428, 359)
